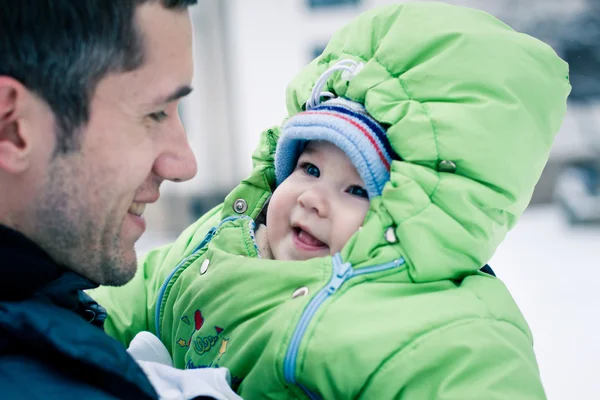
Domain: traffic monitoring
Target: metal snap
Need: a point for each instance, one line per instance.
(446, 166)
(204, 266)
(303, 291)
(390, 235)
(240, 206)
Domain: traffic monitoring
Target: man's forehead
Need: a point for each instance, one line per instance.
(166, 72)
(166, 33)
(167, 69)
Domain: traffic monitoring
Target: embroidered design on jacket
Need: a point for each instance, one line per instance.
(198, 322)
(223, 348)
(202, 344)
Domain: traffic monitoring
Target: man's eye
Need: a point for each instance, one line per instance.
(158, 116)
(311, 169)
(358, 191)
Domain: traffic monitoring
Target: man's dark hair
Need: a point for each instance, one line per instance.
(61, 49)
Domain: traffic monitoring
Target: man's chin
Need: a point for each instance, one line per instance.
(120, 276)
(119, 270)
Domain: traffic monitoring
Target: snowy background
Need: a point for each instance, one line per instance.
(552, 271)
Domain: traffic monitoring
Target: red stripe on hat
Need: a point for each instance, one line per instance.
(361, 128)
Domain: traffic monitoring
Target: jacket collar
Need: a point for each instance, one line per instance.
(28, 269)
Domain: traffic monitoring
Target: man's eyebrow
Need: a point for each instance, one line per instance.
(182, 91)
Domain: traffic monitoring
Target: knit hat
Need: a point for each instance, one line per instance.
(347, 125)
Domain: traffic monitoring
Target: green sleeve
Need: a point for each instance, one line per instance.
(131, 307)
(477, 359)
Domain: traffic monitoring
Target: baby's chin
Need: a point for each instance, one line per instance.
(301, 256)
(313, 254)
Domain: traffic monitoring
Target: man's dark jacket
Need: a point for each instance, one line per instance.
(52, 345)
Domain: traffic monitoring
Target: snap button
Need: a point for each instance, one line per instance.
(204, 266)
(446, 166)
(240, 206)
(390, 235)
(303, 291)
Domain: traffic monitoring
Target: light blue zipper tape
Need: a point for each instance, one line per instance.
(341, 273)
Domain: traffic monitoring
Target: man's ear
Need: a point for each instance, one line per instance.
(15, 145)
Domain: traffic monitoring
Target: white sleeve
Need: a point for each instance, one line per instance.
(147, 347)
(176, 384)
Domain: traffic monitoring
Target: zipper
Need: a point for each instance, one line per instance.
(163, 288)
(342, 272)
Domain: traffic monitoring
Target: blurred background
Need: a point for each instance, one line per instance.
(247, 51)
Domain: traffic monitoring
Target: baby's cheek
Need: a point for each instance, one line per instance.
(274, 232)
(350, 227)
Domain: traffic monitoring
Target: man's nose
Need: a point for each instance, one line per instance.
(176, 162)
(316, 200)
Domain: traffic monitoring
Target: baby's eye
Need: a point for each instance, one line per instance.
(311, 169)
(358, 191)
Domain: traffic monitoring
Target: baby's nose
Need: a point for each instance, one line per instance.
(315, 200)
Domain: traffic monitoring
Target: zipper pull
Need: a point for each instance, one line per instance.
(341, 272)
(210, 234)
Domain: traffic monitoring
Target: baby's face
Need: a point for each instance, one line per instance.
(318, 207)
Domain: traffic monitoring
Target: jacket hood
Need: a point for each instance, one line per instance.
(472, 108)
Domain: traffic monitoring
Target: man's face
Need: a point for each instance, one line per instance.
(89, 211)
(318, 207)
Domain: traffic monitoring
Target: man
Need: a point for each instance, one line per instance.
(89, 130)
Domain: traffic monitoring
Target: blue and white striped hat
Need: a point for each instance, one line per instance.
(347, 125)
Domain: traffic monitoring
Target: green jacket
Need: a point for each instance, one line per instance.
(403, 311)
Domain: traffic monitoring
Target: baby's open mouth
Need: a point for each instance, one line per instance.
(307, 239)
